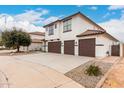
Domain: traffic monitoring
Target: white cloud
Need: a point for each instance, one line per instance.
(26, 21)
(115, 28)
(93, 8)
(116, 7)
(31, 16)
(109, 14)
(25, 25)
(79, 5)
(50, 19)
(29, 20)
(106, 15)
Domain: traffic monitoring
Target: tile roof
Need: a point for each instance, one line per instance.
(37, 33)
(91, 32)
(37, 40)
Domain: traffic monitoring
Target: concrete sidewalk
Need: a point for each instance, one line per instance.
(24, 74)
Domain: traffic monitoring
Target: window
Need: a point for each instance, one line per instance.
(51, 30)
(67, 25)
(47, 28)
(55, 26)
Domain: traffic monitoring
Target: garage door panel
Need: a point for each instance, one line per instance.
(87, 47)
(69, 47)
(115, 50)
(54, 47)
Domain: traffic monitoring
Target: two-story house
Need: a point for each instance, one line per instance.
(78, 35)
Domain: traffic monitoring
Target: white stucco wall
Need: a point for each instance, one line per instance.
(56, 32)
(33, 46)
(121, 49)
(80, 25)
(107, 43)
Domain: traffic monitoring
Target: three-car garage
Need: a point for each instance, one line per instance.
(86, 47)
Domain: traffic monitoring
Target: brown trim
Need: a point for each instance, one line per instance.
(54, 39)
(90, 34)
(67, 31)
(66, 19)
(111, 36)
(99, 44)
(51, 23)
(51, 34)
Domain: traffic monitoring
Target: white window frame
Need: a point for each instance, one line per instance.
(67, 25)
(51, 30)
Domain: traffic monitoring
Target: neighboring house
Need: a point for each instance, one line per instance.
(78, 35)
(37, 41)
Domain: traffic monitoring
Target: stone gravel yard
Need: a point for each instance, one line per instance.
(78, 74)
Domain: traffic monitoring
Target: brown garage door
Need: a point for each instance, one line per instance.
(87, 47)
(115, 50)
(54, 47)
(69, 47)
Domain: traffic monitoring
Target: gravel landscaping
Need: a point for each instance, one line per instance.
(78, 74)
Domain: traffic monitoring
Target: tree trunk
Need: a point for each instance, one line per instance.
(27, 48)
(18, 48)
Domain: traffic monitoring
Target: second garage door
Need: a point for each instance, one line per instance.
(54, 47)
(87, 47)
(69, 47)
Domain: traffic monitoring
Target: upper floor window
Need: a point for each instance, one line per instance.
(51, 30)
(67, 25)
(47, 28)
(55, 26)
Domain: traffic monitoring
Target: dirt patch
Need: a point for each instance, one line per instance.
(18, 53)
(78, 74)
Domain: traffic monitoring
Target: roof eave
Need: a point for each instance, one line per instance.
(90, 34)
(74, 15)
(51, 23)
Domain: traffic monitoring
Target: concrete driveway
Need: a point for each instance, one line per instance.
(23, 74)
(58, 62)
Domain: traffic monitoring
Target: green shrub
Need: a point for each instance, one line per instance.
(93, 70)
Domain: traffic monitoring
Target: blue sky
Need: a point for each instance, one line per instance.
(96, 13)
(33, 17)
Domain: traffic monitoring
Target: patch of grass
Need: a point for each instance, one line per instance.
(93, 70)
